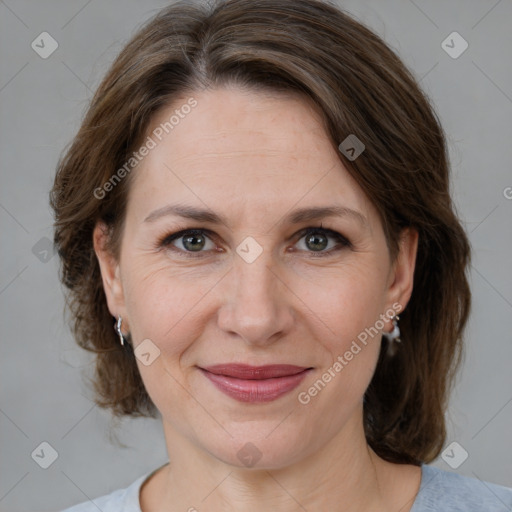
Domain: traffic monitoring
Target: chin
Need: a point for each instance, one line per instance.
(260, 448)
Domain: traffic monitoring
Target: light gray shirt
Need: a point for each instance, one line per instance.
(440, 491)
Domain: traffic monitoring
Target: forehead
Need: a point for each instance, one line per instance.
(246, 151)
(234, 123)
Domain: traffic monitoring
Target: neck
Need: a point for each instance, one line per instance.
(344, 474)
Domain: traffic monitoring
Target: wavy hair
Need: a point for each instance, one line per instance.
(360, 86)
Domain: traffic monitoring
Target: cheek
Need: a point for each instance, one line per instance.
(170, 305)
(346, 300)
(163, 303)
(160, 306)
(351, 350)
(349, 308)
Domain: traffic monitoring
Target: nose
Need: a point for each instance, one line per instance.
(257, 305)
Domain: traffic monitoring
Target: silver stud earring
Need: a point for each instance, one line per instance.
(394, 335)
(117, 327)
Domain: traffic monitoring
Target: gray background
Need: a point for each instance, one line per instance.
(43, 395)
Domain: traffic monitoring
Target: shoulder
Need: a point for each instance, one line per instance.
(451, 492)
(126, 499)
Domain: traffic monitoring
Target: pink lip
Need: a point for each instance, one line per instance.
(255, 383)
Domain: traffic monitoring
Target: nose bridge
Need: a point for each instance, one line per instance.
(256, 309)
(254, 279)
(252, 264)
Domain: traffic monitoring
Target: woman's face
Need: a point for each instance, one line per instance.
(254, 289)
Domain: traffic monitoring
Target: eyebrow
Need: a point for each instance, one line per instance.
(295, 217)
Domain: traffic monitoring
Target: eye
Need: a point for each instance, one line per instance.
(316, 240)
(191, 242)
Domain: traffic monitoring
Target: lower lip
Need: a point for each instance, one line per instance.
(264, 390)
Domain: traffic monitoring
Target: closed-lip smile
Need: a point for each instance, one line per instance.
(248, 383)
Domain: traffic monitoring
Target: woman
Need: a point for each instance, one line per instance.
(257, 234)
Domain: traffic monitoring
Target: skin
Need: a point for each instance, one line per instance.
(253, 157)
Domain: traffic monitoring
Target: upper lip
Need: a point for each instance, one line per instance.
(245, 371)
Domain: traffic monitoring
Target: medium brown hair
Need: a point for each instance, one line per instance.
(360, 87)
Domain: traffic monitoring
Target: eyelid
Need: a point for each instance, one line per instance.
(340, 239)
(166, 240)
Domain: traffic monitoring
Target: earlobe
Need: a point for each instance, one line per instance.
(110, 271)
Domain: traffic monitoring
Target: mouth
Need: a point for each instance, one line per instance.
(253, 384)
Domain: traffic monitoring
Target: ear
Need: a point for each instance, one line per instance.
(402, 275)
(110, 273)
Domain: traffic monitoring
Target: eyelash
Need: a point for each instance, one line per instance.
(343, 242)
